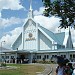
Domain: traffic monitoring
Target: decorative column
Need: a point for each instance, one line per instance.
(23, 38)
(37, 36)
(31, 57)
(1, 51)
(16, 56)
(53, 45)
(5, 58)
(9, 58)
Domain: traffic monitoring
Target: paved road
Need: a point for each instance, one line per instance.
(46, 71)
(53, 66)
(48, 68)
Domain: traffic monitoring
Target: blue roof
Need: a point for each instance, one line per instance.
(20, 35)
(60, 36)
(54, 36)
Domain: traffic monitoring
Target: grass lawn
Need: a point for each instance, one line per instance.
(22, 69)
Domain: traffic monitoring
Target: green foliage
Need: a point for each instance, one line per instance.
(3, 64)
(46, 62)
(62, 8)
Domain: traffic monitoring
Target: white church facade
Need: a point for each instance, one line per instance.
(37, 42)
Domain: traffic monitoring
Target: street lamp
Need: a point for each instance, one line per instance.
(1, 49)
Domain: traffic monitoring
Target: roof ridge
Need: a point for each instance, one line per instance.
(53, 37)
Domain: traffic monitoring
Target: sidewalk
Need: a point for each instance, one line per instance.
(48, 69)
(53, 66)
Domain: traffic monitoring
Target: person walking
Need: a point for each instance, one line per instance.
(63, 68)
(60, 68)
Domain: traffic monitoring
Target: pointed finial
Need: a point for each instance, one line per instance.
(30, 15)
(30, 4)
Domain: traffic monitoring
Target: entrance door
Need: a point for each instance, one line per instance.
(24, 58)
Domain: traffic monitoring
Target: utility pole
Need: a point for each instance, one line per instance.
(1, 50)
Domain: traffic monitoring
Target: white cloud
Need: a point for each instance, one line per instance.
(9, 39)
(16, 31)
(10, 4)
(39, 12)
(50, 23)
(0, 14)
(10, 22)
(13, 5)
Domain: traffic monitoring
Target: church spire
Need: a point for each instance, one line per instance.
(30, 4)
(69, 32)
(69, 41)
(30, 14)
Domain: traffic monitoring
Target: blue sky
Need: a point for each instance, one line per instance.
(22, 13)
(13, 14)
(8, 13)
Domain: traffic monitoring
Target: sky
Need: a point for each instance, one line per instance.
(13, 14)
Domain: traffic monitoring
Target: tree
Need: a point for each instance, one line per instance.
(65, 9)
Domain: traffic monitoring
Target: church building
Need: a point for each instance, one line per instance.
(37, 42)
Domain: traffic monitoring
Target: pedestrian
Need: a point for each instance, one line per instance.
(68, 69)
(60, 68)
(71, 68)
(64, 67)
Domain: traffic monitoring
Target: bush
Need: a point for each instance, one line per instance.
(46, 62)
(3, 64)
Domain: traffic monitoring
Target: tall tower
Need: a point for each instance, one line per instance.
(30, 14)
(69, 41)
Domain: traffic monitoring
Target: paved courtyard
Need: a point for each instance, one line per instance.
(53, 66)
(48, 69)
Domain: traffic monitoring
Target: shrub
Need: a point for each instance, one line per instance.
(3, 64)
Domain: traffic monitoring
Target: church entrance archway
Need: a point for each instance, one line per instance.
(24, 58)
